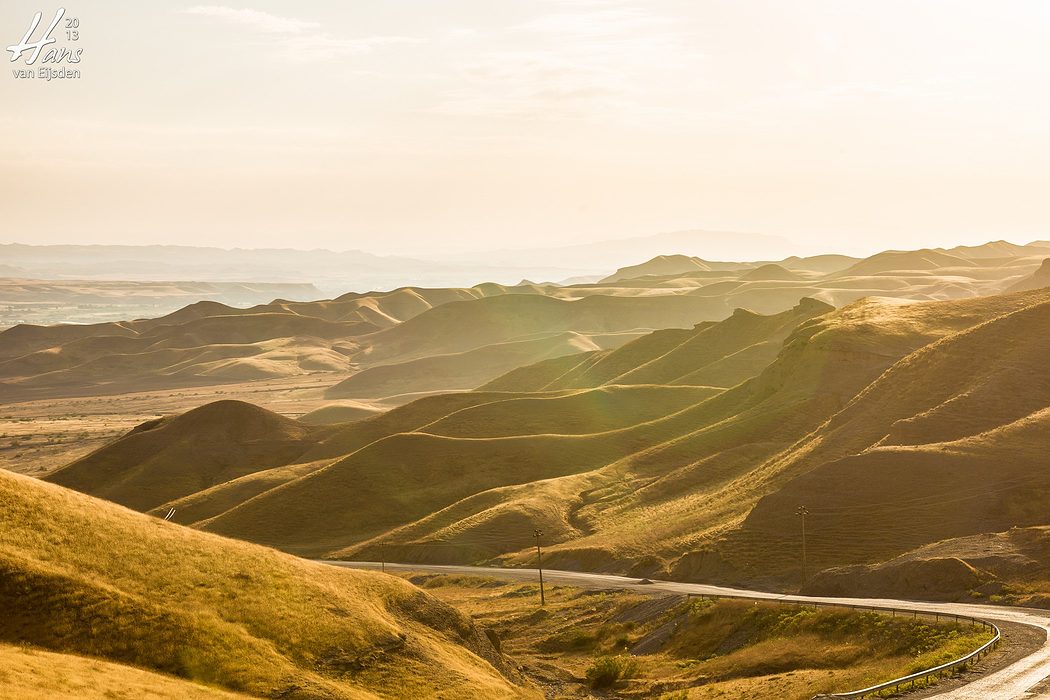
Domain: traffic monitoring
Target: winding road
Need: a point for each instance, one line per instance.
(1028, 678)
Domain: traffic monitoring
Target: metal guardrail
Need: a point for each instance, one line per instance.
(928, 673)
(897, 683)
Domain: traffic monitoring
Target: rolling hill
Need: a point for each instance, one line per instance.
(682, 452)
(156, 603)
(468, 369)
(681, 478)
(207, 343)
(900, 260)
(497, 334)
(430, 445)
(711, 354)
(181, 455)
(660, 266)
(946, 443)
(44, 301)
(393, 346)
(1037, 280)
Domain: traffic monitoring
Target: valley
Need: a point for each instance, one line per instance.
(665, 422)
(458, 419)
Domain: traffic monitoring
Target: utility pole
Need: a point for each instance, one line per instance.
(539, 565)
(802, 512)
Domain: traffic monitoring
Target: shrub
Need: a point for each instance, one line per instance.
(607, 670)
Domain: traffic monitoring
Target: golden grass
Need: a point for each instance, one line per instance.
(86, 577)
(29, 673)
(578, 413)
(946, 443)
(179, 456)
(722, 354)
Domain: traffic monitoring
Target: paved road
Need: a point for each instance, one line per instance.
(1025, 679)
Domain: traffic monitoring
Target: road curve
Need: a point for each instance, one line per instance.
(1021, 680)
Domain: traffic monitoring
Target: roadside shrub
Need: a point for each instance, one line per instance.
(607, 670)
(608, 637)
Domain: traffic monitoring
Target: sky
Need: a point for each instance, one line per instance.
(439, 126)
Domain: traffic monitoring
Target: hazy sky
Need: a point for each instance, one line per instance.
(453, 124)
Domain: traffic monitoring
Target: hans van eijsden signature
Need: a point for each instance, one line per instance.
(54, 55)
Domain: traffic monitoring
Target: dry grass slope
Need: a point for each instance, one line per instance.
(81, 576)
(31, 673)
(467, 369)
(717, 354)
(172, 457)
(948, 442)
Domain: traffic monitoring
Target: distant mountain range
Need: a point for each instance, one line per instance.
(607, 255)
(336, 272)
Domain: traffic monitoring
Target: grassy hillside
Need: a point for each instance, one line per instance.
(339, 412)
(892, 260)
(946, 443)
(649, 477)
(84, 577)
(577, 413)
(1037, 280)
(705, 467)
(716, 354)
(177, 456)
(772, 272)
(470, 368)
(432, 453)
(591, 369)
(460, 326)
(30, 673)
(684, 452)
(399, 479)
(347, 439)
(217, 499)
